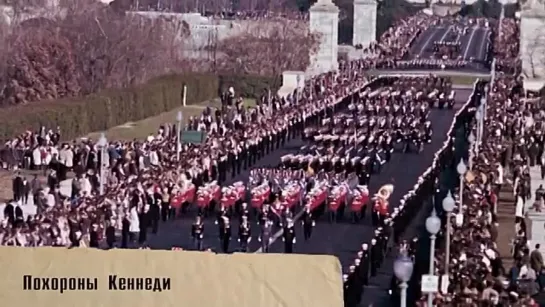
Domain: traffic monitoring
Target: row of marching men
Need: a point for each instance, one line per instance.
(413, 95)
(432, 64)
(275, 205)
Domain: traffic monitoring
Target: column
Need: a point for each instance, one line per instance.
(324, 21)
(532, 43)
(365, 22)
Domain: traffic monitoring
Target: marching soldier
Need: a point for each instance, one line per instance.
(197, 233)
(244, 234)
(266, 234)
(289, 237)
(225, 234)
(308, 223)
(244, 212)
(264, 215)
(222, 169)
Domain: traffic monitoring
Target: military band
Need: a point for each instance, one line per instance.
(352, 144)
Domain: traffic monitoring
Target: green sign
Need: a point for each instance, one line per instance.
(193, 136)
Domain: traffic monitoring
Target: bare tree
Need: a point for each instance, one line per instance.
(89, 49)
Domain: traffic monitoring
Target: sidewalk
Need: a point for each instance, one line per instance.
(536, 181)
(506, 215)
(506, 221)
(30, 208)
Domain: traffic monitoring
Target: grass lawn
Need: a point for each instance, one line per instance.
(465, 80)
(141, 129)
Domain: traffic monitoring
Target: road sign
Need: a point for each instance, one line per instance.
(430, 283)
(193, 136)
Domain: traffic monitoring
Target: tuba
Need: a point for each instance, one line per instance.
(385, 192)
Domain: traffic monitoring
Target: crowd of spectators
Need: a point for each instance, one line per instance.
(512, 143)
(476, 271)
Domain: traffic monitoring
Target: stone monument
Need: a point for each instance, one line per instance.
(532, 40)
(324, 20)
(291, 80)
(365, 22)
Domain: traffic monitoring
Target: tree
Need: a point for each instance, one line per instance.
(269, 49)
(91, 48)
(42, 68)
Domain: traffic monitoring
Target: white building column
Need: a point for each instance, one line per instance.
(365, 22)
(532, 42)
(324, 21)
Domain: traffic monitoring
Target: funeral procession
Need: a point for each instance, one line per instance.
(399, 157)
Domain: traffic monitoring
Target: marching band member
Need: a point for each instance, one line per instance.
(197, 233)
(244, 211)
(225, 234)
(289, 237)
(244, 234)
(266, 235)
(307, 222)
(380, 209)
(222, 212)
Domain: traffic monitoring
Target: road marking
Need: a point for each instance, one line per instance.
(446, 33)
(469, 42)
(427, 42)
(484, 40)
(280, 232)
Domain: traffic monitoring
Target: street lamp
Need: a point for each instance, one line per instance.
(179, 118)
(448, 206)
(403, 270)
(433, 225)
(479, 117)
(472, 149)
(298, 78)
(102, 143)
(472, 138)
(461, 169)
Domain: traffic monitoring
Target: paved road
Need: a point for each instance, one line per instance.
(473, 44)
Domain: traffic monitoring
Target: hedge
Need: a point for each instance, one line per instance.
(79, 116)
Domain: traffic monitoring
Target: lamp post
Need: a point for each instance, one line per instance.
(102, 143)
(433, 225)
(298, 78)
(461, 169)
(403, 270)
(448, 206)
(479, 117)
(472, 149)
(179, 118)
